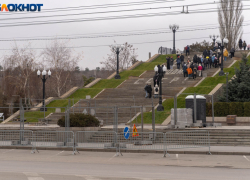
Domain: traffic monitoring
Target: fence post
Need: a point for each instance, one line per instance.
(21, 123)
(142, 122)
(195, 108)
(175, 110)
(213, 108)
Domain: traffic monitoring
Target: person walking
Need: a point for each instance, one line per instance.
(185, 70)
(168, 63)
(205, 53)
(213, 58)
(244, 45)
(182, 59)
(248, 47)
(225, 54)
(150, 91)
(195, 71)
(195, 60)
(240, 44)
(202, 60)
(187, 50)
(171, 62)
(199, 70)
(178, 62)
(232, 51)
(146, 90)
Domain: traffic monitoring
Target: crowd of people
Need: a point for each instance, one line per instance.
(194, 67)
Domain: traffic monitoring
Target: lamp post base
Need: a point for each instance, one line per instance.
(174, 52)
(117, 76)
(221, 73)
(43, 109)
(160, 108)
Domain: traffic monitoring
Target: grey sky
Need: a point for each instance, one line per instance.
(93, 55)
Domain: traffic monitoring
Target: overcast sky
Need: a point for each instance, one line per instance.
(93, 55)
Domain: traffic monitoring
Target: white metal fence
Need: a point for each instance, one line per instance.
(144, 141)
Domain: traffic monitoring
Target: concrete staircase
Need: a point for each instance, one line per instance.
(131, 93)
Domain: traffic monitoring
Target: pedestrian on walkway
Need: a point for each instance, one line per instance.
(232, 51)
(187, 50)
(215, 62)
(205, 53)
(195, 71)
(199, 70)
(213, 58)
(178, 62)
(171, 62)
(205, 61)
(190, 72)
(168, 63)
(244, 45)
(225, 54)
(202, 60)
(195, 60)
(146, 90)
(240, 44)
(185, 70)
(150, 91)
(248, 47)
(182, 59)
(210, 62)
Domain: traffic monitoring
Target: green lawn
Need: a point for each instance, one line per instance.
(82, 93)
(162, 58)
(135, 73)
(34, 116)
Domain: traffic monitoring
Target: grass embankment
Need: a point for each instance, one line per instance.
(203, 88)
(94, 90)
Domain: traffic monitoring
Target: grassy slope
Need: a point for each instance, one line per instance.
(204, 88)
(93, 91)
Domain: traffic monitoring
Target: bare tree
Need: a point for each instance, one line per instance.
(19, 67)
(126, 58)
(230, 19)
(62, 63)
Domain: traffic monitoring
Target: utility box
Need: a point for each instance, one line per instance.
(231, 119)
(200, 107)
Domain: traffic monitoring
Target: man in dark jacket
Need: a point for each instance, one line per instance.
(146, 90)
(178, 62)
(205, 53)
(232, 52)
(149, 91)
(195, 59)
(182, 59)
(168, 63)
(185, 70)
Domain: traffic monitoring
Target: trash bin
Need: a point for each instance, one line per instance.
(200, 107)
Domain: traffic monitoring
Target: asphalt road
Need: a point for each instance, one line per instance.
(60, 165)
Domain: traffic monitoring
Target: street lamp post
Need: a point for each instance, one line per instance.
(227, 84)
(117, 49)
(44, 73)
(213, 37)
(221, 45)
(174, 28)
(161, 71)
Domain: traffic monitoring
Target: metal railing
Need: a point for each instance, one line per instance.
(188, 139)
(59, 139)
(96, 140)
(15, 138)
(145, 141)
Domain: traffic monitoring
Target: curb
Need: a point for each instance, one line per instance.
(130, 151)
